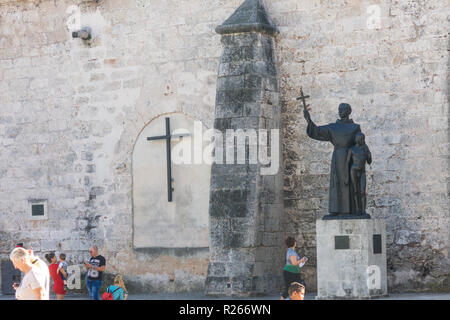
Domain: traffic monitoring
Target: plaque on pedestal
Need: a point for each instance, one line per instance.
(351, 259)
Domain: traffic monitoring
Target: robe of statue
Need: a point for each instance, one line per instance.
(342, 135)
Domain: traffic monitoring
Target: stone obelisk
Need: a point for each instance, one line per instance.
(246, 208)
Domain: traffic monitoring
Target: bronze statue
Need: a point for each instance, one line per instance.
(342, 135)
(357, 157)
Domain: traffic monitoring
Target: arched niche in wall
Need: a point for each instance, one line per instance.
(158, 223)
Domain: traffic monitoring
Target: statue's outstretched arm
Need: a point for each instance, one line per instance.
(322, 133)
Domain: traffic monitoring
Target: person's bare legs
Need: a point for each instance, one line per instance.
(355, 186)
(363, 192)
(60, 297)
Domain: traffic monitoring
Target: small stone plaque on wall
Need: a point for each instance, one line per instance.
(38, 209)
(341, 242)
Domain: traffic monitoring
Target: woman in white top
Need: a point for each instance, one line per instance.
(35, 284)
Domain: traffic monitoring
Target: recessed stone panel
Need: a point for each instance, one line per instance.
(377, 245)
(158, 223)
(341, 242)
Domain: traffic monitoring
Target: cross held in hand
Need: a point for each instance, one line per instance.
(303, 98)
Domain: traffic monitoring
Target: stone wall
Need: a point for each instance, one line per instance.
(393, 71)
(72, 110)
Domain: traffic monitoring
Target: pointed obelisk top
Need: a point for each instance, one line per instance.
(251, 16)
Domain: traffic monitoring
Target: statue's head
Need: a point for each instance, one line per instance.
(360, 139)
(344, 110)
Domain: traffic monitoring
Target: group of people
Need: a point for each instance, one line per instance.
(35, 284)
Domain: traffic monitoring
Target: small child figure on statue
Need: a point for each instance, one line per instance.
(357, 157)
(62, 269)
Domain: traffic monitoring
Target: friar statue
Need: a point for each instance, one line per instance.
(342, 135)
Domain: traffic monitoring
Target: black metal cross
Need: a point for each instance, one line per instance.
(302, 97)
(168, 138)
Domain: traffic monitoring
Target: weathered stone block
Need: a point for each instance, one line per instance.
(241, 95)
(216, 269)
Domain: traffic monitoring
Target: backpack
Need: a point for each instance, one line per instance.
(109, 295)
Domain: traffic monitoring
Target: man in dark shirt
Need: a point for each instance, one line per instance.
(95, 269)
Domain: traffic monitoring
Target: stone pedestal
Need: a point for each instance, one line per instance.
(351, 259)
